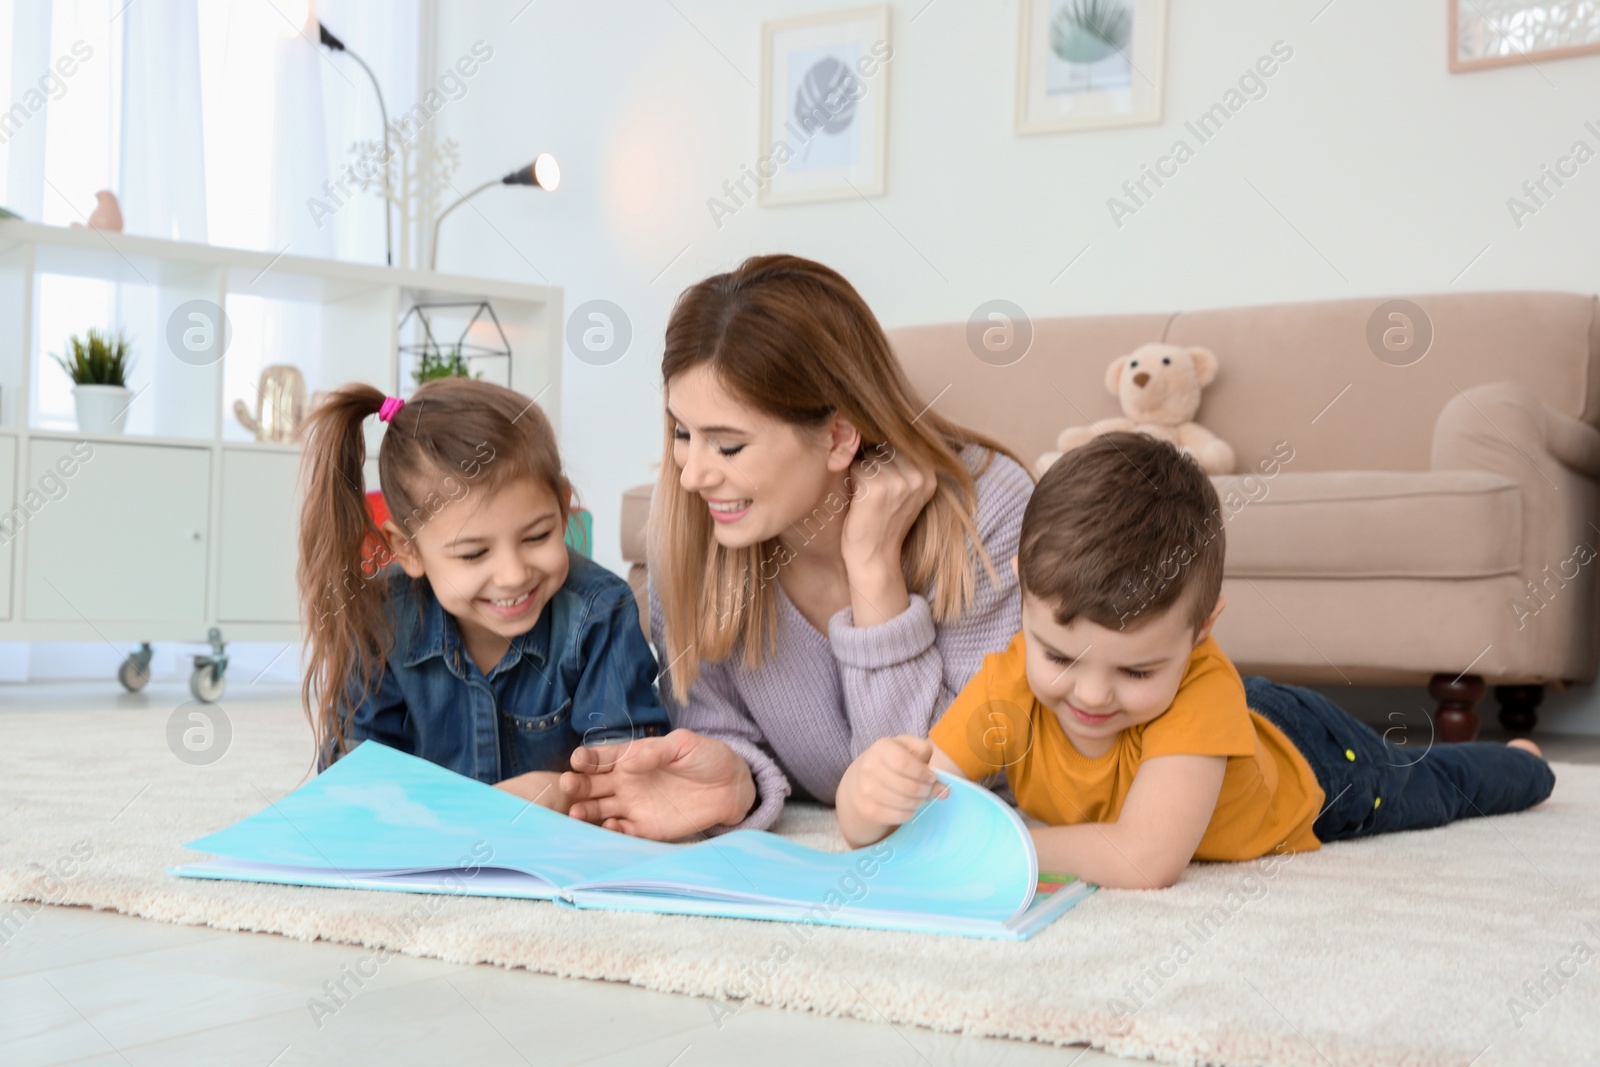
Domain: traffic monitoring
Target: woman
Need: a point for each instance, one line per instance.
(828, 557)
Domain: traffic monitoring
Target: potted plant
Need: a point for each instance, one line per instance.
(98, 366)
(443, 364)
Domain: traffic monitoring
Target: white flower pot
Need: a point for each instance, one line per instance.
(102, 408)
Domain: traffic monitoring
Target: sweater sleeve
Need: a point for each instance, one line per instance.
(715, 710)
(899, 675)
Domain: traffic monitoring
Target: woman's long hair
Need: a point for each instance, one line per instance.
(455, 436)
(794, 340)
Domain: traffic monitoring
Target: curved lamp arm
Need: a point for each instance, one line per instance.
(544, 172)
(333, 44)
(433, 249)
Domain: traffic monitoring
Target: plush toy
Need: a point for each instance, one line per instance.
(1159, 386)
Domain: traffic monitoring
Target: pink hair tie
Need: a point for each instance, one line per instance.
(391, 407)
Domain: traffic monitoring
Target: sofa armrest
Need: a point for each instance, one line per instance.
(634, 520)
(1504, 427)
(1549, 630)
(635, 517)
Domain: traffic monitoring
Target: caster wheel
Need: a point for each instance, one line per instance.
(206, 683)
(133, 674)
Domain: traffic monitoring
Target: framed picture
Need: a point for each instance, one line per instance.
(1088, 64)
(824, 106)
(1499, 33)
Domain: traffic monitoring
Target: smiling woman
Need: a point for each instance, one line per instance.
(827, 561)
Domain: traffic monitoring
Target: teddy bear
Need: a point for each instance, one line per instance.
(1159, 387)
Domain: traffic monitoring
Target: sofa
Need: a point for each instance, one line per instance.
(1415, 493)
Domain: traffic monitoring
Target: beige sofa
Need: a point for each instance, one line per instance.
(1435, 522)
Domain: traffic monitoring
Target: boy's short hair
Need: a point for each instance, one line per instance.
(1119, 529)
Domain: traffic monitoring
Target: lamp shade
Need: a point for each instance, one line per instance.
(544, 172)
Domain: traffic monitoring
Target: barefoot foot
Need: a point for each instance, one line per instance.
(1525, 744)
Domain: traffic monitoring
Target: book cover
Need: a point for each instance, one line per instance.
(382, 819)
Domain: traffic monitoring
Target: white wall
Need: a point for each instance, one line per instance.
(1366, 168)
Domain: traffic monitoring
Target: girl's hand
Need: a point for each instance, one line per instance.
(888, 496)
(660, 787)
(885, 786)
(540, 787)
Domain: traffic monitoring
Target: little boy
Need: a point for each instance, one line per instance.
(1119, 722)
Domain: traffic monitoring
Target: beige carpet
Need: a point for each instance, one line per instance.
(1409, 950)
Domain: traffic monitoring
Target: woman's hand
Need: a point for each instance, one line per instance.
(660, 787)
(540, 787)
(884, 787)
(886, 498)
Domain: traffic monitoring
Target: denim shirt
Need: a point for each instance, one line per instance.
(583, 675)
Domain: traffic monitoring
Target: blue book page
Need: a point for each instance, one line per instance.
(381, 819)
(378, 809)
(966, 857)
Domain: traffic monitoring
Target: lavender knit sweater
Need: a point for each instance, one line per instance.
(808, 710)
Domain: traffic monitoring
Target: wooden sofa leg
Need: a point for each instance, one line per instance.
(1517, 704)
(1456, 719)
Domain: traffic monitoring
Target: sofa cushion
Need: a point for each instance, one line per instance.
(1059, 382)
(1303, 373)
(1371, 524)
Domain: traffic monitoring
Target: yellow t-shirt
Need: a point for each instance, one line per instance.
(1269, 799)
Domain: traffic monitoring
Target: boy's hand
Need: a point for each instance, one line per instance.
(884, 787)
(540, 787)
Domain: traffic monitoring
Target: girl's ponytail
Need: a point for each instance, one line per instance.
(342, 596)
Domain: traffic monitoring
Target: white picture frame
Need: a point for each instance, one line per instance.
(1089, 64)
(824, 106)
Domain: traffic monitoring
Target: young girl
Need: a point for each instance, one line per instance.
(489, 648)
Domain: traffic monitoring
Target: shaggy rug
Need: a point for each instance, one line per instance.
(1477, 944)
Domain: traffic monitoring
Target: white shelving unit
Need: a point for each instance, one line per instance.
(186, 523)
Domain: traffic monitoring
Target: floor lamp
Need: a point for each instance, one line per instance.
(333, 44)
(543, 172)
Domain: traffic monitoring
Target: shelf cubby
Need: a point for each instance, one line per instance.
(185, 521)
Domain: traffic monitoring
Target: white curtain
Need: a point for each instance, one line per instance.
(162, 180)
(211, 120)
(22, 143)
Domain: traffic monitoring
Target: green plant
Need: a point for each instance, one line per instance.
(450, 364)
(1087, 31)
(100, 360)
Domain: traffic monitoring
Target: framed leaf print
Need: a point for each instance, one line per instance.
(824, 106)
(1500, 33)
(1088, 64)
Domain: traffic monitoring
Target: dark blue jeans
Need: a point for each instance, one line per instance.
(1375, 786)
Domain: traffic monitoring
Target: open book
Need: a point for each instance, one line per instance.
(380, 819)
